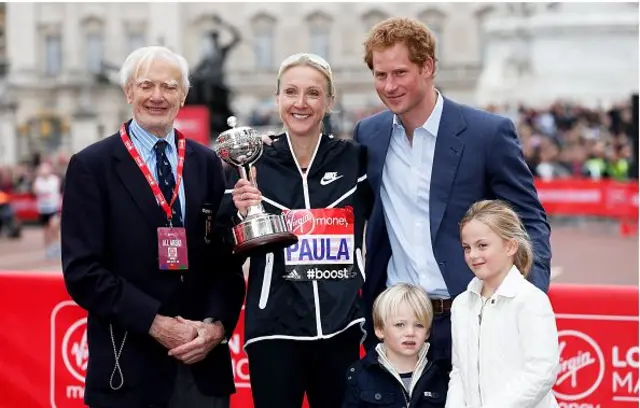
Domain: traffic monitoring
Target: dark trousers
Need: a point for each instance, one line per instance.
(187, 395)
(440, 338)
(282, 371)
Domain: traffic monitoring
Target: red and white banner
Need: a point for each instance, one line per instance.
(193, 122)
(24, 206)
(599, 353)
(559, 197)
(44, 345)
(589, 198)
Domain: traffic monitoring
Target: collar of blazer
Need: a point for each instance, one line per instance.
(121, 152)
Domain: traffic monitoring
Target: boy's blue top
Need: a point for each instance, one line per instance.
(369, 384)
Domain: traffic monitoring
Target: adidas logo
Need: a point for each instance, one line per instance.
(293, 275)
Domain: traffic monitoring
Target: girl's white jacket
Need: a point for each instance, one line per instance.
(505, 350)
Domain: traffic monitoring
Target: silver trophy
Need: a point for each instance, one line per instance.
(259, 232)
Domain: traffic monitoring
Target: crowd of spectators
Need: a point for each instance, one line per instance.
(563, 140)
(569, 140)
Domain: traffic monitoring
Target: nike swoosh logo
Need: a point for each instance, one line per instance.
(324, 181)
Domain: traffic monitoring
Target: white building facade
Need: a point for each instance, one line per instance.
(585, 52)
(55, 50)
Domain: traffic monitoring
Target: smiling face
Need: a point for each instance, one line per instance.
(303, 100)
(401, 84)
(403, 333)
(156, 95)
(488, 255)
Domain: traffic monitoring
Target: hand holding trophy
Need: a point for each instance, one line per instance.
(259, 232)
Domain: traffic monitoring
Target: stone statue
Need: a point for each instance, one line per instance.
(208, 84)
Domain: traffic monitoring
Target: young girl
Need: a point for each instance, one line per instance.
(505, 342)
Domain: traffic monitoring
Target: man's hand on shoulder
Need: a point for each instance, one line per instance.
(266, 139)
(171, 332)
(209, 335)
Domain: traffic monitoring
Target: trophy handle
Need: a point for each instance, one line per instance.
(245, 172)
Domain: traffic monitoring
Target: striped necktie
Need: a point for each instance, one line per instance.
(166, 181)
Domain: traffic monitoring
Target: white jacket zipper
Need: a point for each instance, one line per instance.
(307, 204)
(422, 366)
(484, 302)
(266, 281)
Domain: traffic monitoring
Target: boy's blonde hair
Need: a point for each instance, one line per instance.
(387, 303)
(504, 221)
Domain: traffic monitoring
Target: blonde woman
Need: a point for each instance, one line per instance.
(303, 311)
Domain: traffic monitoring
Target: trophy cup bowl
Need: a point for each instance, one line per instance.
(259, 232)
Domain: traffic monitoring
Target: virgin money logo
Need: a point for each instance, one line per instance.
(582, 366)
(69, 355)
(300, 222)
(75, 351)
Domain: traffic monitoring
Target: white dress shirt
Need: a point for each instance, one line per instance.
(144, 142)
(406, 183)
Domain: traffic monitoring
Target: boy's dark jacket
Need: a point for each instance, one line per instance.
(369, 384)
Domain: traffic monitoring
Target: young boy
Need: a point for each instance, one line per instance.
(397, 372)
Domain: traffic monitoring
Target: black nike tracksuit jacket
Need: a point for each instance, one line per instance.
(278, 305)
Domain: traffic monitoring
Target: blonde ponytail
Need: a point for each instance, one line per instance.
(523, 259)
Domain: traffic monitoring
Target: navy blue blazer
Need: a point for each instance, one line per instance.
(110, 266)
(477, 156)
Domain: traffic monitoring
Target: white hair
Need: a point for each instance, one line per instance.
(145, 55)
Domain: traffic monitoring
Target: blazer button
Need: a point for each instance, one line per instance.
(352, 369)
(378, 397)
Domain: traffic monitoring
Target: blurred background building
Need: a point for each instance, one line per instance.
(60, 90)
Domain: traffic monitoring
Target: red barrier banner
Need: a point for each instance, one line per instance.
(559, 197)
(603, 198)
(44, 345)
(24, 206)
(193, 122)
(598, 339)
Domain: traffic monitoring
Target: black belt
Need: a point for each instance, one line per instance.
(441, 306)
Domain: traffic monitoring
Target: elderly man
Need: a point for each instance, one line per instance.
(142, 254)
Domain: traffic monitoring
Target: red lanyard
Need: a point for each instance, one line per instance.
(147, 174)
